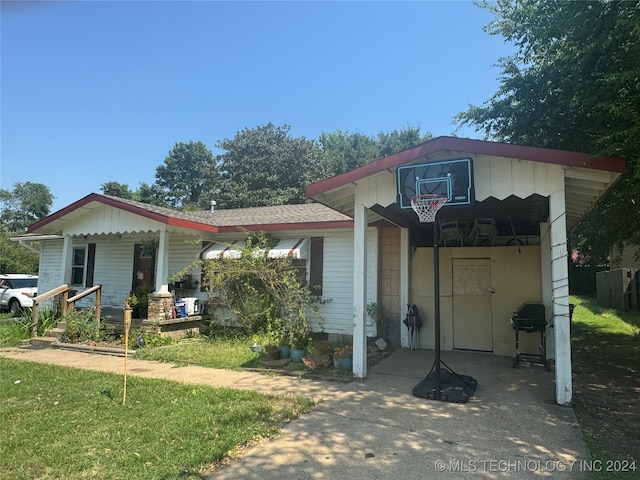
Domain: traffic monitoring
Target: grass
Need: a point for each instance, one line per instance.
(606, 382)
(59, 422)
(230, 351)
(15, 329)
(219, 352)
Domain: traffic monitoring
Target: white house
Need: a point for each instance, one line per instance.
(100, 240)
(531, 197)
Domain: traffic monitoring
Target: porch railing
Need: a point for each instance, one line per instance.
(65, 303)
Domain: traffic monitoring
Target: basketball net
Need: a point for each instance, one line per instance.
(427, 206)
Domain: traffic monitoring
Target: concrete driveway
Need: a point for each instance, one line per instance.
(510, 428)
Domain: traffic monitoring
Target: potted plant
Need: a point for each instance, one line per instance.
(138, 301)
(343, 357)
(298, 333)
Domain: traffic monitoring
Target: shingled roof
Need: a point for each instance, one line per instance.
(278, 217)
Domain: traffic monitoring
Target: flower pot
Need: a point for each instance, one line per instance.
(336, 362)
(272, 352)
(346, 363)
(285, 351)
(296, 355)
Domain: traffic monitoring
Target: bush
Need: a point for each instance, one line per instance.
(81, 327)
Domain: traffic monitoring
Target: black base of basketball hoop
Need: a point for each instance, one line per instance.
(439, 384)
(452, 387)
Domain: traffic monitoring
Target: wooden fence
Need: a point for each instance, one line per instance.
(619, 289)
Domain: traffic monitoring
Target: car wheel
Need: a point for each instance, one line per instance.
(14, 306)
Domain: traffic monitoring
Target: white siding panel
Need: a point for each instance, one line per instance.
(540, 178)
(337, 314)
(50, 267)
(501, 178)
(114, 270)
(482, 177)
(107, 219)
(379, 189)
(523, 178)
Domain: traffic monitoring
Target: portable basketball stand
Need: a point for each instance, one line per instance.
(439, 384)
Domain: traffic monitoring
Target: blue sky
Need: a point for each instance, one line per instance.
(93, 92)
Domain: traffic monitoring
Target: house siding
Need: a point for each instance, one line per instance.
(337, 290)
(115, 255)
(50, 266)
(337, 314)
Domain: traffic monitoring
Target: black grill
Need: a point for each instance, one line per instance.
(530, 318)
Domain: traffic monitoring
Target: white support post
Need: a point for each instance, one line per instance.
(360, 292)
(404, 284)
(67, 256)
(162, 263)
(560, 296)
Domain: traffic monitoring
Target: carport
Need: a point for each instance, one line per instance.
(533, 197)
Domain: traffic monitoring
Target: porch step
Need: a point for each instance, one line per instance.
(43, 342)
(55, 332)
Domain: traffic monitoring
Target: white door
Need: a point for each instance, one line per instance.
(472, 320)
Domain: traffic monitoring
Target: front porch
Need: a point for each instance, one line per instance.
(166, 327)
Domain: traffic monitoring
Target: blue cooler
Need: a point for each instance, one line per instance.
(181, 309)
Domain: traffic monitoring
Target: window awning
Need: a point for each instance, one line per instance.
(297, 248)
(224, 250)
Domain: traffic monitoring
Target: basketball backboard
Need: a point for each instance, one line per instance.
(453, 178)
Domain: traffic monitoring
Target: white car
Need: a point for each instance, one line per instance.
(17, 291)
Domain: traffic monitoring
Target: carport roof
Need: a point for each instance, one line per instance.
(582, 189)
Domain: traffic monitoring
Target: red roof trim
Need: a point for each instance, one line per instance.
(466, 145)
(94, 197)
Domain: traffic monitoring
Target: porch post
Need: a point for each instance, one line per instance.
(67, 255)
(405, 253)
(359, 291)
(162, 264)
(560, 296)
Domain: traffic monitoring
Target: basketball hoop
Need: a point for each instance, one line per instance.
(427, 206)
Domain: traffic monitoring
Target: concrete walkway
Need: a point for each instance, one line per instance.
(511, 428)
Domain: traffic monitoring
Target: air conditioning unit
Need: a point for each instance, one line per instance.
(192, 305)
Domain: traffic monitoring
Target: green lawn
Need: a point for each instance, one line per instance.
(218, 352)
(59, 422)
(606, 384)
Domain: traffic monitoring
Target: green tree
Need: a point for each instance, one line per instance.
(345, 151)
(27, 203)
(15, 258)
(116, 189)
(399, 140)
(150, 194)
(572, 84)
(266, 166)
(184, 174)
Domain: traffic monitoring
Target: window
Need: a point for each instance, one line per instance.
(78, 265)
